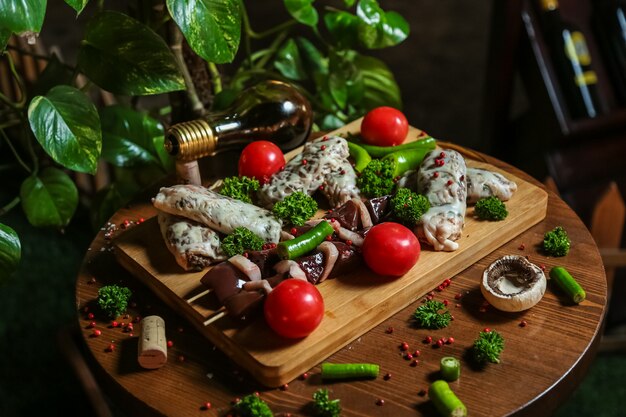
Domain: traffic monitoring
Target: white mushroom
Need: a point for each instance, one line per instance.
(512, 283)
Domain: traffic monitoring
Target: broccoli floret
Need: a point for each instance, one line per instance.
(490, 208)
(428, 315)
(488, 347)
(324, 407)
(240, 188)
(296, 208)
(113, 299)
(408, 206)
(556, 242)
(376, 179)
(241, 240)
(252, 406)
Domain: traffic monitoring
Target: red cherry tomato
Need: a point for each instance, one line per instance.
(390, 249)
(384, 126)
(294, 308)
(261, 160)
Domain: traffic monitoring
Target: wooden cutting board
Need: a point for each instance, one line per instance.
(353, 303)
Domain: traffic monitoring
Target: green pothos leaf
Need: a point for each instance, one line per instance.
(380, 29)
(124, 56)
(10, 251)
(380, 86)
(50, 198)
(22, 16)
(303, 11)
(343, 27)
(77, 5)
(212, 27)
(128, 137)
(349, 3)
(289, 63)
(66, 124)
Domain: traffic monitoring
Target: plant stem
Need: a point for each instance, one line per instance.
(216, 78)
(17, 156)
(247, 30)
(10, 123)
(18, 79)
(272, 49)
(176, 45)
(4, 210)
(278, 28)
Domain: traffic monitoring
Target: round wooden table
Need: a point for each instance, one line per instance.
(548, 348)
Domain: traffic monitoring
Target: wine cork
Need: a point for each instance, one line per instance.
(188, 172)
(152, 352)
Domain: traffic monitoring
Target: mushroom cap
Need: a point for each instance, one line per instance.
(512, 283)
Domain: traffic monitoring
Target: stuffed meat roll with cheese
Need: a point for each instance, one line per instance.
(483, 183)
(441, 178)
(220, 213)
(322, 165)
(194, 245)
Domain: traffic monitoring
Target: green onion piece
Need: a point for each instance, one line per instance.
(568, 284)
(445, 400)
(349, 370)
(360, 156)
(306, 242)
(450, 368)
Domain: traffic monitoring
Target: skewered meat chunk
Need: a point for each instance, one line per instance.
(227, 281)
(377, 207)
(321, 162)
(193, 245)
(441, 178)
(483, 183)
(220, 213)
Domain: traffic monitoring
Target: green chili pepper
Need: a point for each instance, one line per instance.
(450, 368)
(445, 400)
(306, 242)
(349, 370)
(568, 284)
(360, 156)
(407, 159)
(381, 151)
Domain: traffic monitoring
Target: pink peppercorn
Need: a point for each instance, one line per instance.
(170, 343)
(404, 346)
(90, 316)
(97, 333)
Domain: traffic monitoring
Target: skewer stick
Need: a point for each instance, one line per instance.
(216, 316)
(199, 295)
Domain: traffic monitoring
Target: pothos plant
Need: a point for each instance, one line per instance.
(54, 129)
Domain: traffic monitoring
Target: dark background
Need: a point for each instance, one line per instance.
(441, 70)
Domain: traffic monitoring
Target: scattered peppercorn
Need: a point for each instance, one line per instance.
(428, 339)
(523, 323)
(170, 343)
(404, 346)
(97, 333)
(414, 362)
(90, 316)
(389, 330)
(380, 402)
(206, 406)
(387, 377)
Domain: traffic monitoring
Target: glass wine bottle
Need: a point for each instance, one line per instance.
(572, 62)
(270, 110)
(609, 24)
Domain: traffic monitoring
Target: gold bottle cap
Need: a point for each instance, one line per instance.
(189, 141)
(549, 4)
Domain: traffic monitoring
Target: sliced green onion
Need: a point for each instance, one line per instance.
(450, 368)
(349, 370)
(306, 242)
(445, 400)
(568, 284)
